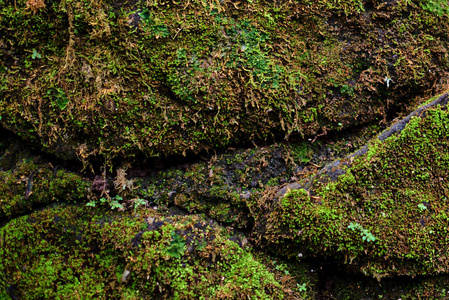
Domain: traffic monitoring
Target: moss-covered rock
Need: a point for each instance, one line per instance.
(83, 77)
(225, 186)
(29, 181)
(354, 287)
(379, 211)
(384, 213)
(79, 252)
(374, 212)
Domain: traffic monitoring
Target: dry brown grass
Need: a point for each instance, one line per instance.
(35, 5)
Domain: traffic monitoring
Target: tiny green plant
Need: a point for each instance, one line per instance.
(91, 203)
(354, 226)
(177, 246)
(139, 202)
(422, 207)
(114, 202)
(59, 97)
(366, 235)
(35, 54)
(302, 287)
(281, 268)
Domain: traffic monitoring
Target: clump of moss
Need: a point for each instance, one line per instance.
(73, 250)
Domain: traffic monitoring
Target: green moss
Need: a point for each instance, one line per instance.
(71, 250)
(436, 6)
(80, 78)
(386, 214)
(29, 181)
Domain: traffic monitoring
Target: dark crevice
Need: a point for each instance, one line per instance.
(155, 164)
(8, 136)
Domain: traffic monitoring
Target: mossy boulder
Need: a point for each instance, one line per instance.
(85, 253)
(384, 213)
(82, 78)
(29, 181)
